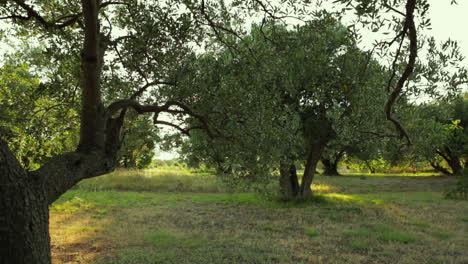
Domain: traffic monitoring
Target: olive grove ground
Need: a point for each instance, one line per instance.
(167, 216)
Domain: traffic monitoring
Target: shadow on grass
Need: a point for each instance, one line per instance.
(161, 226)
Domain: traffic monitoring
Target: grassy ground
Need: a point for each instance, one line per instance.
(354, 220)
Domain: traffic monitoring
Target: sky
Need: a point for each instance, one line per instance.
(450, 21)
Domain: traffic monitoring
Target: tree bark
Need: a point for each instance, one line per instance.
(93, 114)
(439, 168)
(311, 164)
(452, 160)
(25, 197)
(455, 165)
(330, 167)
(24, 222)
(289, 182)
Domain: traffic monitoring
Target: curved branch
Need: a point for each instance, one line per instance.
(33, 14)
(409, 23)
(185, 131)
(156, 109)
(146, 86)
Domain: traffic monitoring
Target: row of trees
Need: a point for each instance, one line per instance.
(310, 94)
(251, 99)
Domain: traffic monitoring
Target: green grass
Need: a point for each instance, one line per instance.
(168, 239)
(405, 174)
(383, 233)
(271, 228)
(310, 231)
(375, 220)
(155, 180)
(441, 234)
(360, 244)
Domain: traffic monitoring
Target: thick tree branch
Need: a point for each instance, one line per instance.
(62, 172)
(106, 4)
(156, 109)
(185, 131)
(397, 55)
(148, 85)
(438, 167)
(445, 157)
(33, 14)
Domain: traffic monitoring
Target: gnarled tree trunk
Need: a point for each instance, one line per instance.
(289, 182)
(25, 197)
(452, 160)
(330, 167)
(24, 218)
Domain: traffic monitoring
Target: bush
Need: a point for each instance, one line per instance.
(460, 190)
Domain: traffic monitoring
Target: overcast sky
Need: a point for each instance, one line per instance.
(450, 21)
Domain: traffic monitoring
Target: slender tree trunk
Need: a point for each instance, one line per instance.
(24, 222)
(133, 161)
(330, 166)
(311, 164)
(289, 182)
(371, 169)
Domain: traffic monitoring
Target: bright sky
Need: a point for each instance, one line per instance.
(450, 21)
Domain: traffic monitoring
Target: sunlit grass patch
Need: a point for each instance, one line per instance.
(345, 197)
(403, 174)
(173, 180)
(101, 202)
(323, 188)
(72, 203)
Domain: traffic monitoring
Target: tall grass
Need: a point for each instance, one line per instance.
(155, 180)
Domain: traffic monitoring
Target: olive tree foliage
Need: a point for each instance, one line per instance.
(36, 118)
(419, 65)
(441, 136)
(299, 87)
(139, 142)
(408, 75)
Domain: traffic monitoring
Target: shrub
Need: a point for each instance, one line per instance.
(460, 190)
